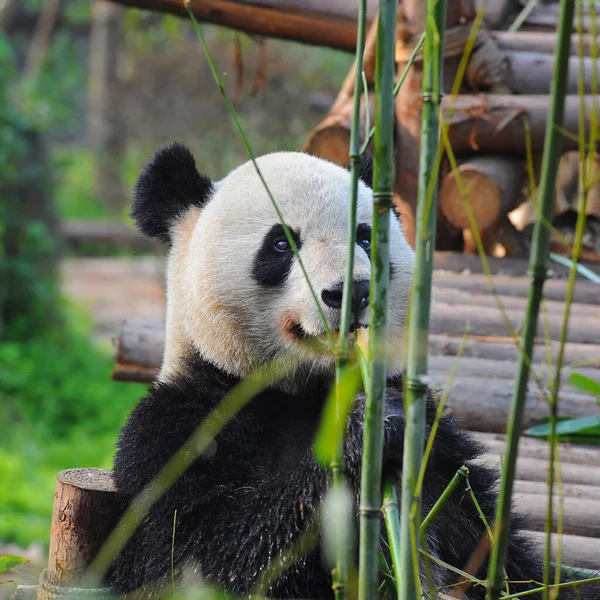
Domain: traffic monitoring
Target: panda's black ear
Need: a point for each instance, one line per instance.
(366, 169)
(168, 186)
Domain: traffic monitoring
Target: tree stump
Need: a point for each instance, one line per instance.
(86, 509)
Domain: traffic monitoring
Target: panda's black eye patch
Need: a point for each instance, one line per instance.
(363, 237)
(273, 261)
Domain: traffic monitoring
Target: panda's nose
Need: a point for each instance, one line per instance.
(360, 296)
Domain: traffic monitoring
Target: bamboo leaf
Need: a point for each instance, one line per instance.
(331, 429)
(585, 383)
(9, 562)
(585, 426)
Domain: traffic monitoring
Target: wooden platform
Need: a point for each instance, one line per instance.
(481, 391)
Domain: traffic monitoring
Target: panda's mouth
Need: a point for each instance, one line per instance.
(298, 332)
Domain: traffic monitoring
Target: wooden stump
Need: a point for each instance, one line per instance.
(86, 509)
(493, 188)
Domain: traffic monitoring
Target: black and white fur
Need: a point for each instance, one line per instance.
(236, 299)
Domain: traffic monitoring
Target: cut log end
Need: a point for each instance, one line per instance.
(331, 143)
(492, 186)
(483, 194)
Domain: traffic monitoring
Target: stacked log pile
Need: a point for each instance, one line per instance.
(504, 91)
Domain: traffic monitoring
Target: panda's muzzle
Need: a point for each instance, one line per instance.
(360, 296)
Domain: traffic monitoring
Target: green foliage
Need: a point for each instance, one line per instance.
(60, 410)
(585, 430)
(9, 562)
(585, 384)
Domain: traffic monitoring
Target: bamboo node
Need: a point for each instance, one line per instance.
(369, 511)
(416, 385)
(538, 273)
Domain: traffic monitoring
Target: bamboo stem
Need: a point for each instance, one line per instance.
(460, 475)
(539, 252)
(392, 523)
(418, 327)
(581, 218)
(340, 575)
(370, 494)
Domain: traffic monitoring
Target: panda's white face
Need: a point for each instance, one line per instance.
(237, 293)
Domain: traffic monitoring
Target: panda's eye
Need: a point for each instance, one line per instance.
(363, 237)
(281, 245)
(364, 243)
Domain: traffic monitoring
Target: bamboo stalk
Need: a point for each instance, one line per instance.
(392, 523)
(340, 575)
(370, 489)
(461, 475)
(539, 252)
(581, 218)
(418, 327)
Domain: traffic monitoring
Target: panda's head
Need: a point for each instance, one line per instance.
(236, 294)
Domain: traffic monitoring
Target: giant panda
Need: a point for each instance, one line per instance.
(237, 299)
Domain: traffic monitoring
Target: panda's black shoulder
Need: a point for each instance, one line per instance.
(163, 420)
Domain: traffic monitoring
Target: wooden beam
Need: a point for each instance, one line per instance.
(331, 24)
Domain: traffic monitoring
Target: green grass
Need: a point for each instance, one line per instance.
(59, 410)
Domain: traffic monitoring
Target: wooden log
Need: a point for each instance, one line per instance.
(533, 469)
(494, 189)
(440, 367)
(554, 289)
(331, 138)
(540, 41)
(483, 299)
(86, 509)
(572, 490)
(453, 319)
(546, 17)
(331, 24)
(580, 454)
(493, 123)
(532, 72)
(581, 516)
(483, 404)
(576, 550)
(503, 349)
